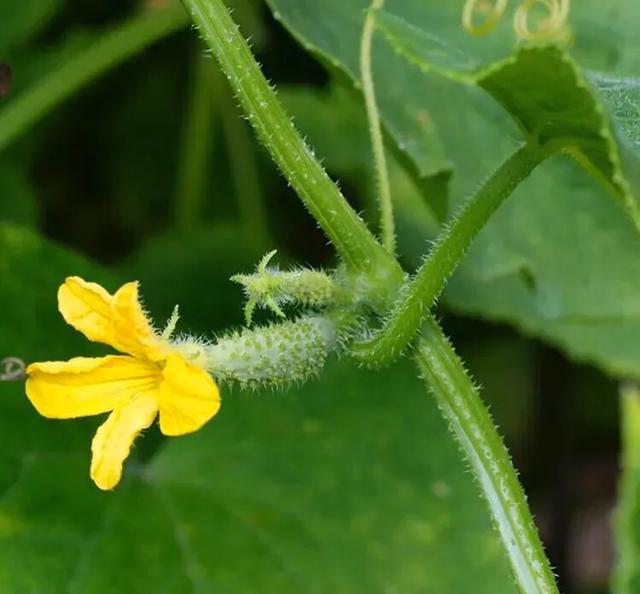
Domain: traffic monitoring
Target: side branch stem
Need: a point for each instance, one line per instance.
(452, 244)
(487, 455)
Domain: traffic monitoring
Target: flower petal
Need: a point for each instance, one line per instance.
(132, 329)
(188, 397)
(114, 438)
(88, 386)
(86, 307)
(117, 320)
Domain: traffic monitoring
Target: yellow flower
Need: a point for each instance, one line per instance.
(151, 378)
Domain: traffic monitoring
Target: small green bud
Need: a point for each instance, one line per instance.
(271, 288)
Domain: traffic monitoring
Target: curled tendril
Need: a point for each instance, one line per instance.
(11, 369)
(491, 12)
(552, 25)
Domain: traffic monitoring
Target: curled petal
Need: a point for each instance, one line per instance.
(117, 320)
(188, 397)
(88, 386)
(113, 440)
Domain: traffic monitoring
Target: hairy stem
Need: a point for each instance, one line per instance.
(107, 52)
(346, 230)
(387, 225)
(419, 295)
(489, 460)
(361, 252)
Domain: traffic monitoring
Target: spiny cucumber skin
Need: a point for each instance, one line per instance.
(311, 288)
(276, 355)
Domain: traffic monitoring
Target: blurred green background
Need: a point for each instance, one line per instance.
(150, 173)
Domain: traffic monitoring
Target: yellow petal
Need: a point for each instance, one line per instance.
(188, 397)
(112, 443)
(87, 386)
(86, 307)
(117, 320)
(133, 331)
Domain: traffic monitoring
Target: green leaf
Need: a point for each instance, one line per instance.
(559, 259)
(605, 39)
(605, 35)
(545, 93)
(31, 328)
(323, 489)
(627, 574)
(622, 96)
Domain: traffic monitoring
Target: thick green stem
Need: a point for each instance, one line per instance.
(107, 52)
(346, 230)
(419, 295)
(489, 460)
(387, 226)
(362, 253)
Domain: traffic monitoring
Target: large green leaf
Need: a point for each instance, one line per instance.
(332, 30)
(565, 269)
(348, 484)
(627, 575)
(545, 93)
(591, 310)
(559, 259)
